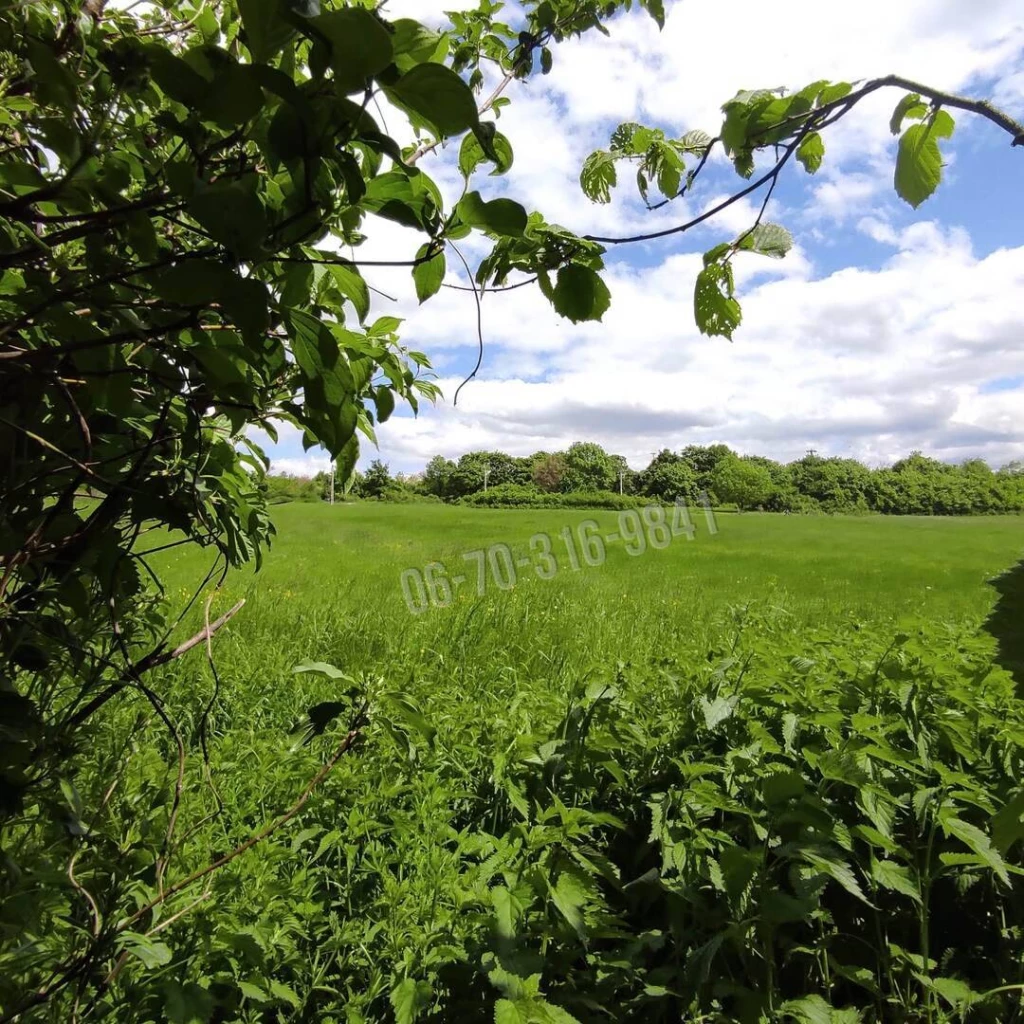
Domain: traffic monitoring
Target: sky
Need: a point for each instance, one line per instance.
(885, 329)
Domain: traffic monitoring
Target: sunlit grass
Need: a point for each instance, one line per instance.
(330, 587)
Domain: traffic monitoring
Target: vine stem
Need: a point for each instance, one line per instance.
(154, 660)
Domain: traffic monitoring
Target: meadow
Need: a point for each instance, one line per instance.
(330, 586)
(767, 775)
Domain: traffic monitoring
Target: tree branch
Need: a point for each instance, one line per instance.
(818, 118)
(153, 660)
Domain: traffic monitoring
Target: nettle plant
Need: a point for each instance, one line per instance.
(184, 190)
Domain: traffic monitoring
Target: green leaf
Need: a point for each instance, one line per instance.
(329, 407)
(919, 160)
(177, 79)
(384, 400)
(837, 869)
(656, 9)
(346, 464)
(598, 176)
(322, 668)
(738, 867)
(767, 240)
(413, 43)
(152, 954)
(317, 353)
(232, 214)
(360, 46)
(194, 282)
(976, 840)
(718, 710)
(245, 300)
(715, 309)
(472, 154)
(778, 787)
(351, 284)
(409, 999)
(890, 875)
(499, 216)
(233, 98)
(266, 32)
(429, 275)
(1008, 823)
(956, 992)
(253, 991)
(285, 994)
(808, 1010)
(833, 92)
(508, 1012)
(570, 896)
(811, 152)
(187, 1004)
(439, 96)
(580, 294)
(909, 106)
(504, 911)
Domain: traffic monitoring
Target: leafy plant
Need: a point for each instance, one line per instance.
(177, 183)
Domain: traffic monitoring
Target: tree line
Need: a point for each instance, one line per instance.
(915, 485)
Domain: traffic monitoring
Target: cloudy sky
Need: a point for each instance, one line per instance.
(885, 329)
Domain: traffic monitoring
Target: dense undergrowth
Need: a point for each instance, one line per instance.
(783, 827)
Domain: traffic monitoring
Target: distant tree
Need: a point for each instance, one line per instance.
(784, 497)
(437, 477)
(838, 485)
(498, 468)
(376, 480)
(704, 459)
(669, 479)
(547, 471)
(588, 467)
(743, 482)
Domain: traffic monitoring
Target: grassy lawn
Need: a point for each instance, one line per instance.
(330, 588)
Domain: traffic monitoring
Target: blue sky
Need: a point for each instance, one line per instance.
(885, 330)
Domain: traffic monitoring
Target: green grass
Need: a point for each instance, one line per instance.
(547, 744)
(330, 588)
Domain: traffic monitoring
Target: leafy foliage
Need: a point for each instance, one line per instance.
(177, 185)
(758, 826)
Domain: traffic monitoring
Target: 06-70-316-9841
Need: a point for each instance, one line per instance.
(639, 530)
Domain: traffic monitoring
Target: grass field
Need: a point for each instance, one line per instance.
(603, 794)
(330, 588)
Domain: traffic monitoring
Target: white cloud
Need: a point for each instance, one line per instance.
(868, 362)
(871, 363)
(308, 465)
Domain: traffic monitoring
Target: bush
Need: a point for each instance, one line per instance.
(529, 496)
(282, 489)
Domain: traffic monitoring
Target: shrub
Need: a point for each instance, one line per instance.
(529, 496)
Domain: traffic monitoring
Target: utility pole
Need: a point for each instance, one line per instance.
(622, 473)
(487, 473)
(332, 483)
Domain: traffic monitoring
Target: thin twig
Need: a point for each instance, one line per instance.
(346, 744)
(491, 291)
(479, 325)
(151, 661)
